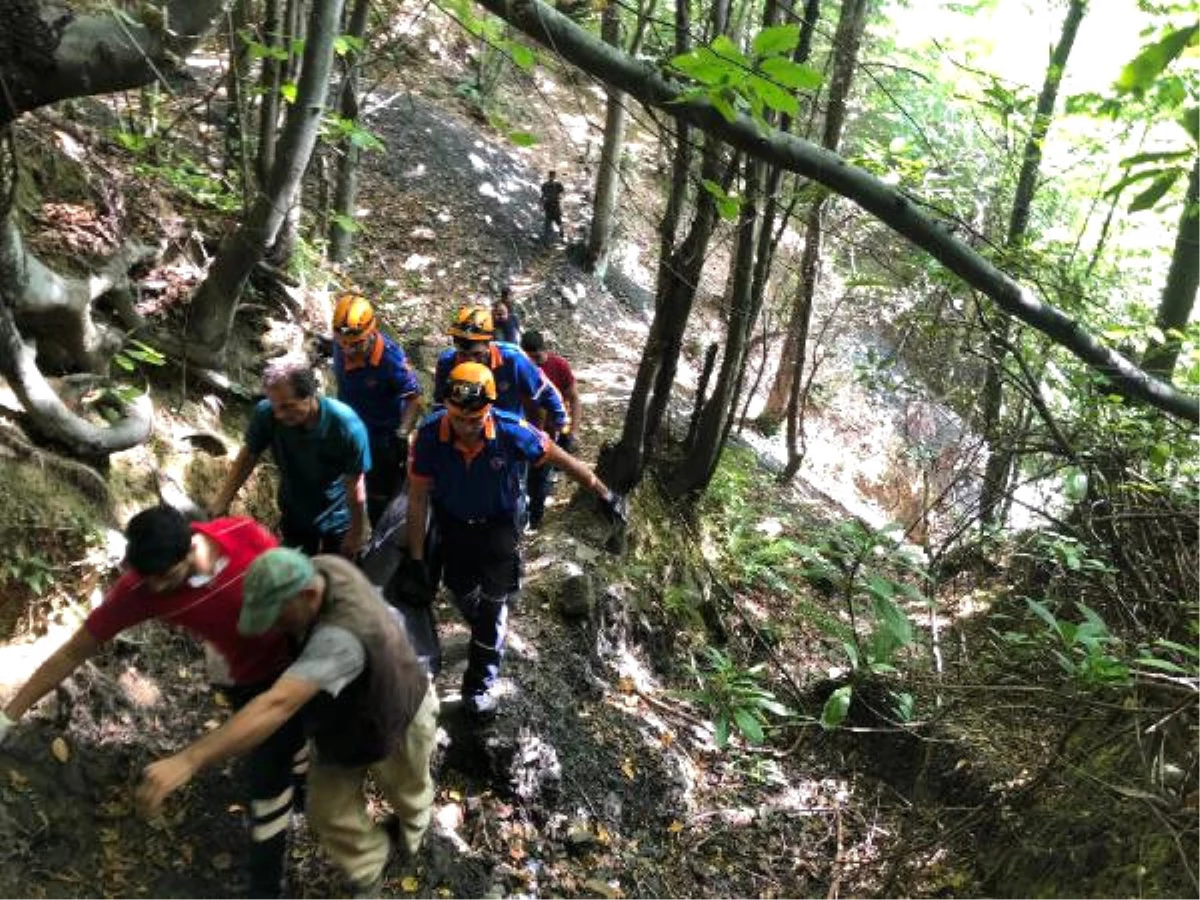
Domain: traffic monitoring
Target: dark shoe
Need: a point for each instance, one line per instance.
(480, 707)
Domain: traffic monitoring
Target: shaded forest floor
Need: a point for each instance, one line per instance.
(601, 777)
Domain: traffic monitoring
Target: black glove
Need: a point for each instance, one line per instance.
(566, 442)
(417, 587)
(616, 509)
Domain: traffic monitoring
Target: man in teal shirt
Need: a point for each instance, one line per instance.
(320, 446)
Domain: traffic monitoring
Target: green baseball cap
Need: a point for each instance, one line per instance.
(271, 581)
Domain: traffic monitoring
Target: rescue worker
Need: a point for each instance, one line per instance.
(375, 380)
(320, 446)
(366, 703)
(191, 576)
(558, 370)
(519, 383)
(465, 463)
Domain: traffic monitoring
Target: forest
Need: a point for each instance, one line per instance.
(882, 319)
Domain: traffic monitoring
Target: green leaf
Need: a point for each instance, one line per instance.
(725, 48)
(345, 223)
(748, 725)
(792, 75)
(1189, 119)
(1143, 69)
(904, 705)
(1154, 193)
(776, 39)
(774, 96)
(1042, 613)
(1182, 648)
(722, 730)
(347, 43)
(124, 362)
(704, 66)
(836, 707)
(522, 56)
(727, 206)
(1164, 665)
(522, 138)
(288, 91)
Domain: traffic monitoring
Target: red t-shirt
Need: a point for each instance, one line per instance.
(210, 611)
(558, 370)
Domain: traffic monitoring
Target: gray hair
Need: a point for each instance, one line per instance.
(294, 370)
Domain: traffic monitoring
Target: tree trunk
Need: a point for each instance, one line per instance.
(608, 178)
(847, 40)
(345, 195)
(270, 82)
(216, 299)
(1179, 293)
(236, 80)
(1001, 463)
(697, 469)
(894, 208)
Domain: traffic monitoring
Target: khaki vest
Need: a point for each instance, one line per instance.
(366, 721)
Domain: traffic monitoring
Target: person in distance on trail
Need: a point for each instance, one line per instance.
(190, 575)
(558, 370)
(375, 380)
(320, 446)
(366, 703)
(465, 463)
(505, 318)
(552, 191)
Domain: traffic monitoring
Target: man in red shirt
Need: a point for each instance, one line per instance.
(558, 371)
(190, 575)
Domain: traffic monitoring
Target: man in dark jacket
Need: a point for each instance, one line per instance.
(552, 191)
(367, 706)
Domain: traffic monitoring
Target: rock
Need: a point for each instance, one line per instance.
(423, 233)
(576, 597)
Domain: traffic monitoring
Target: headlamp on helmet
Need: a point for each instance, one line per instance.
(471, 389)
(353, 319)
(472, 323)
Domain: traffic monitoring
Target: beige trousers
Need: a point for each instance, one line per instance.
(337, 807)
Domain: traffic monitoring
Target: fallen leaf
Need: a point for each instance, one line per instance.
(667, 738)
(409, 883)
(60, 750)
(675, 827)
(626, 685)
(627, 768)
(602, 889)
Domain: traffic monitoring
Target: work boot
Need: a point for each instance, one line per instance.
(480, 707)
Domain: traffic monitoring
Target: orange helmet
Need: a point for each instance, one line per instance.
(353, 319)
(471, 389)
(472, 323)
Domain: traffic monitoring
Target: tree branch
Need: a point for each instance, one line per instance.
(895, 209)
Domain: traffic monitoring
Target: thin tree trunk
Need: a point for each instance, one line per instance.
(216, 299)
(270, 83)
(1179, 293)
(1001, 464)
(697, 469)
(847, 40)
(345, 195)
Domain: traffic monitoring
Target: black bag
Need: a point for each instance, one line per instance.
(382, 562)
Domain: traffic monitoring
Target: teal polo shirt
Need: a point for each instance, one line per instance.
(312, 462)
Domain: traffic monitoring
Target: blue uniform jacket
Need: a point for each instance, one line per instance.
(479, 485)
(379, 388)
(517, 379)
